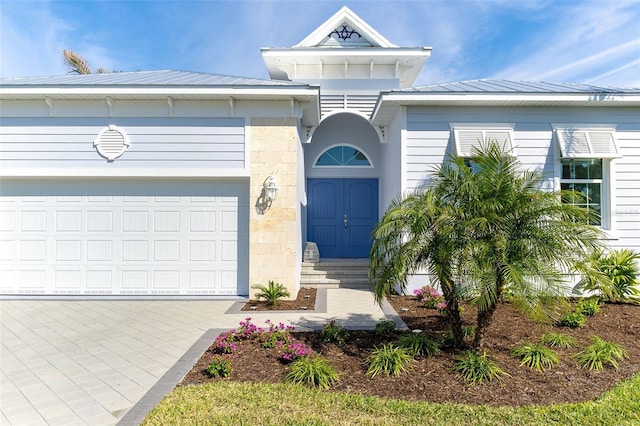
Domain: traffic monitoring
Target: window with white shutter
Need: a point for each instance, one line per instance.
(585, 167)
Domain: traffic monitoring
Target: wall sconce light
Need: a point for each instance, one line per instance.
(270, 188)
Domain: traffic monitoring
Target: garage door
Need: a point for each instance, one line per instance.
(141, 237)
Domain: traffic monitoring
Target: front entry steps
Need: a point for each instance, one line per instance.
(336, 273)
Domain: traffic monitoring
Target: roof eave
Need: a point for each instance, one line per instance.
(388, 102)
(163, 91)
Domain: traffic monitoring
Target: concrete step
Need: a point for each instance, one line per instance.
(342, 273)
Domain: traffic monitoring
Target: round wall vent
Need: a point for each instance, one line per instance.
(111, 142)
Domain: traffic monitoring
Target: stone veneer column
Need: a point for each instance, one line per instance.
(273, 234)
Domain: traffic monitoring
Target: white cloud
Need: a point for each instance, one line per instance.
(30, 42)
(584, 43)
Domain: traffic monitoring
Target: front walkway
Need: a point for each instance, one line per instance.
(89, 362)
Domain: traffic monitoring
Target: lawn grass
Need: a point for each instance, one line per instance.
(231, 403)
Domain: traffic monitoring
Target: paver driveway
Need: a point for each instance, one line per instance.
(89, 362)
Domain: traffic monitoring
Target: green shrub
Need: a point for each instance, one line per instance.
(312, 371)
(573, 320)
(334, 333)
(385, 327)
(389, 359)
(219, 367)
(272, 293)
(613, 276)
(588, 307)
(475, 368)
(601, 352)
(535, 356)
(418, 344)
(558, 340)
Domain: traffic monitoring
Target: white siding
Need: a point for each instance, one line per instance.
(428, 141)
(156, 143)
(391, 167)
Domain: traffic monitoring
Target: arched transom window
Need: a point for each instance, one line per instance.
(343, 156)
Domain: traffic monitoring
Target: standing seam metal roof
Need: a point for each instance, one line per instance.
(143, 78)
(509, 86)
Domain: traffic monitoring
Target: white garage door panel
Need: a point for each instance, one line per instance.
(123, 238)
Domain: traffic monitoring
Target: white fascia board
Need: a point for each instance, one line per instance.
(393, 100)
(350, 53)
(132, 172)
(280, 91)
(467, 98)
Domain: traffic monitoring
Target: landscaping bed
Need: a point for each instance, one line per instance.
(305, 300)
(431, 379)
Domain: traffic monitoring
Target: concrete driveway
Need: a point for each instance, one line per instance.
(89, 362)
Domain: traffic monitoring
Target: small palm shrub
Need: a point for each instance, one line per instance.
(272, 293)
(558, 340)
(385, 327)
(536, 356)
(614, 276)
(388, 360)
(601, 352)
(219, 367)
(312, 371)
(334, 333)
(573, 320)
(419, 344)
(475, 368)
(588, 307)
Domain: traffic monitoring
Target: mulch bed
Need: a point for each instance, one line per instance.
(305, 301)
(431, 379)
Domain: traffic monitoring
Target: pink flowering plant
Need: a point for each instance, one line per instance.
(294, 350)
(276, 335)
(430, 297)
(248, 330)
(227, 342)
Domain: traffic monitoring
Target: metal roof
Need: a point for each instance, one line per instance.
(509, 86)
(142, 78)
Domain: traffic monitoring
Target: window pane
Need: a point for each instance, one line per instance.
(342, 156)
(567, 169)
(327, 159)
(581, 169)
(590, 201)
(595, 169)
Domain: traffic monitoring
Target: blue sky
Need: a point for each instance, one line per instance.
(595, 42)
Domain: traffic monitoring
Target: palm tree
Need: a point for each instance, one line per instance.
(420, 232)
(488, 231)
(77, 64)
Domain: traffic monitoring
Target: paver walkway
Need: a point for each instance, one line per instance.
(89, 362)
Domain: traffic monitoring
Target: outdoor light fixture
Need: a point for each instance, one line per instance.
(270, 188)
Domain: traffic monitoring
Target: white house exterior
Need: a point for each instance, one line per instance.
(153, 183)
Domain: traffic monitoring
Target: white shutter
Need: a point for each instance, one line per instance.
(502, 137)
(587, 143)
(603, 143)
(467, 139)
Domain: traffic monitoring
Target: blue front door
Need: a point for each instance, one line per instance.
(341, 214)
